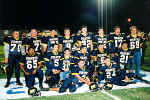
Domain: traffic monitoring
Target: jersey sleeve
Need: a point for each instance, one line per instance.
(22, 60)
(6, 40)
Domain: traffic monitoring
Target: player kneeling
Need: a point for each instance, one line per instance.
(30, 65)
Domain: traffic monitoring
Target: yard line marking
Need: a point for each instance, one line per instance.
(114, 97)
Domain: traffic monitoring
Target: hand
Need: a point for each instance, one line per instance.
(66, 69)
(27, 73)
(6, 60)
(54, 71)
(88, 83)
(113, 55)
(34, 71)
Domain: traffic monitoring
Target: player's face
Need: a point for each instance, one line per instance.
(16, 34)
(124, 46)
(67, 52)
(117, 31)
(55, 47)
(101, 32)
(84, 50)
(31, 51)
(81, 64)
(100, 47)
(53, 33)
(67, 33)
(33, 33)
(140, 34)
(133, 31)
(84, 30)
(79, 43)
(107, 61)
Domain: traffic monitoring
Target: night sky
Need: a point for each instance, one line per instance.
(72, 13)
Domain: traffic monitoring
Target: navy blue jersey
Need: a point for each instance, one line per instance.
(51, 41)
(116, 41)
(14, 45)
(100, 57)
(108, 72)
(123, 58)
(67, 43)
(134, 43)
(85, 40)
(52, 60)
(30, 62)
(85, 57)
(83, 73)
(37, 43)
(66, 63)
(100, 40)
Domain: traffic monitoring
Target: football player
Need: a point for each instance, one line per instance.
(116, 40)
(85, 38)
(51, 40)
(66, 64)
(135, 43)
(124, 55)
(12, 50)
(37, 42)
(80, 74)
(99, 55)
(101, 38)
(52, 60)
(84, 55)
(67, 41)
(31, 66)
(109, 73)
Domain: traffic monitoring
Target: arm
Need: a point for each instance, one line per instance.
(87, 81)
(6, 52)
(22, 68)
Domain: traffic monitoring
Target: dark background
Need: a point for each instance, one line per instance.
(72, 13)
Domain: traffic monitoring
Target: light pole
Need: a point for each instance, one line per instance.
(104, 13)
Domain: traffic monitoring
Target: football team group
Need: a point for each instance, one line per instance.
(99, 60)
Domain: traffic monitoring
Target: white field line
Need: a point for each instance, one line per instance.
(114, 97)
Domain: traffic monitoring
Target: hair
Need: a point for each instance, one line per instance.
(124, 42)
(32, 29)
(54, 45)
(83, 46)
(100, 28)
(107, 58)
(83, 26)
(133, 27)
(67, 49)
(80, 60)
(31, 47)
(116, 27)
(15, 30)
(66, 29)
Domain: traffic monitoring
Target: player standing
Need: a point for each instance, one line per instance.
(12, 50)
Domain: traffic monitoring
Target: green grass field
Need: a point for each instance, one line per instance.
(124, 94)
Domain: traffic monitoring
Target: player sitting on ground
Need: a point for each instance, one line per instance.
(80, 74)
